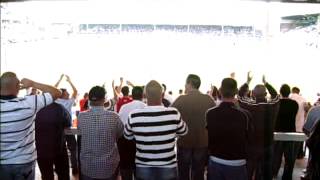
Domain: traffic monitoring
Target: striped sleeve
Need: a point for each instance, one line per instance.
(128, 133)
(182, 128)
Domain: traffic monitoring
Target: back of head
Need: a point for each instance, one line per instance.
(259, 91)
(194, 81)
(125, 90)
(285, 90)
(10, 84)
(137, 93)
(228, 88)
(97, 95)
(295, 90)
(86, 95)
(153, 91)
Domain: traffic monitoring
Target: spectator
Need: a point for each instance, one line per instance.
(264, 113)
(167, 98)
(84, 102)
(124, 99)
(312, 129)
(127, 149)
(300, 117)
(228, 132)
(285, 122)
(193, 148)
(17, 147)
(154, 129)
(67, 103)
(99, 129)
(51, 143)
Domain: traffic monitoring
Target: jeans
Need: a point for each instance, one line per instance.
(72, 146)
(156, 173)
(289, 149)
(192, 161)
(218, 171)
(17, 172)
(60, 164)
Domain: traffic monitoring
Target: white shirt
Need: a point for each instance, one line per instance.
(66, 103)
(128, 108)
(17, 128)
(300, 117)
(169, 98)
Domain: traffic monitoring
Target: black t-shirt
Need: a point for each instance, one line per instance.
(286, 120)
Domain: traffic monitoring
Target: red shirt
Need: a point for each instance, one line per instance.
(122, 101)
(82, 102)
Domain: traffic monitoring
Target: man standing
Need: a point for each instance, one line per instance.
(17, 147)
(100, 130)
(228, 132)
(193, 148)
(154, 129)
(264, 114)
(127, 149)
(286, 122)
(67, 103)
(300, 117)
(51, 143)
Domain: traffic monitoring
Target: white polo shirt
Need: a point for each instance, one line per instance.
(17, 136)
(128, 108)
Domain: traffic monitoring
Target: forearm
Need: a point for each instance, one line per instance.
(55, 93)
(271, 90)
(74, 89)
(57, 84)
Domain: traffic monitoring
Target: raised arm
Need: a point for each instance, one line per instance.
(57, 84)
(129, 83)
(269, 87)
(74, 89)
(244, 89)
(27, 83)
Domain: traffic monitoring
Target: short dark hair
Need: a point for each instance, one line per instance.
(125, 90)
(228, 88)
(194, 80)
(295, 90)
(137, 93)
(285, 90)
(97, 93)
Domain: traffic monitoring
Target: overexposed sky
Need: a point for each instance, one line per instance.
(166, 57)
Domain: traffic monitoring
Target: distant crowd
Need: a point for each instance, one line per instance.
(143, 133)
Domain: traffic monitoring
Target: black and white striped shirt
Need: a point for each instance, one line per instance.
(155, 130)
(17, 127)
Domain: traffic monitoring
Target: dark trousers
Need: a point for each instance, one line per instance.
(127, 174)
(218, 171)
(289, 150)
(191, 163)
(17, 171)
(260, 167)
(72, 146)
(60, 164)
(156, 173)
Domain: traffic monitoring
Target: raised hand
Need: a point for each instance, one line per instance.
(249, 77)
(264, 79)
(68, 78)
(233, 75)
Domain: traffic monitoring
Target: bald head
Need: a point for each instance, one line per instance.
(9, 84)
(259, 91)
(153, 92)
